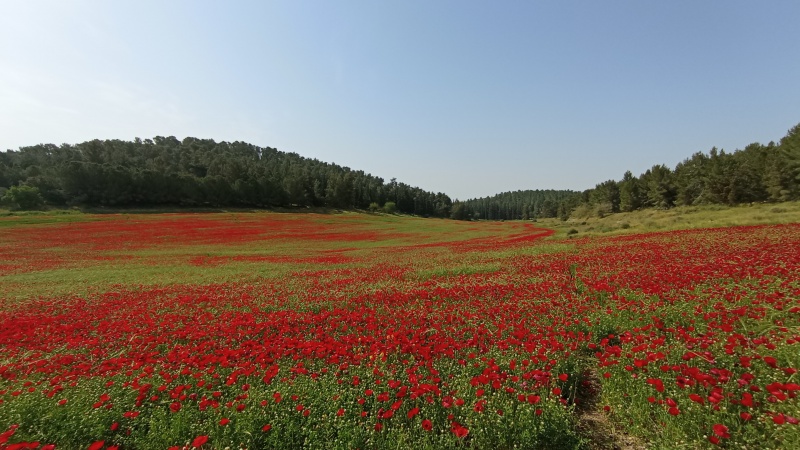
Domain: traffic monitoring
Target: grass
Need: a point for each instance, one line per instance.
(678, 218)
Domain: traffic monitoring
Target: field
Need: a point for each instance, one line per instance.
(274, 330)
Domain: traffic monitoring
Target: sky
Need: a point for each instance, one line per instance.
(469, 98)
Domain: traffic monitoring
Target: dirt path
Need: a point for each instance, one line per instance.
(594, 423)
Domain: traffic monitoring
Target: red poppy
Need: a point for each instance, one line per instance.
(721, 431)
(459, 430)
(427, 425)
(199, 441)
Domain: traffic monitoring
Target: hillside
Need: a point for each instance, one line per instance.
(201, 172)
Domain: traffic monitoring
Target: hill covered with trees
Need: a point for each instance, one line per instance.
(198, 172)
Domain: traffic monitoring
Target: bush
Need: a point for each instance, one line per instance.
(389, 208)
(23, 197)
(583, 211)
(374, 207)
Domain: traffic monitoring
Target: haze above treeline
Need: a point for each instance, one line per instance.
(165, 171)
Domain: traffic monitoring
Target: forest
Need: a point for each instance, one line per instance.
(204, 173)
(197, 173)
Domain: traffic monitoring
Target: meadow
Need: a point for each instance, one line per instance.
(253, 330)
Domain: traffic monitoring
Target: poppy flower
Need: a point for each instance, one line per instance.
(199, 441)
(459, 430)
(721, 431)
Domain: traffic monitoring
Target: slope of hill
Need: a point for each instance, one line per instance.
(200, 172)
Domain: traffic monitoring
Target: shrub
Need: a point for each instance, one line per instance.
(23, 197)
(389, 208)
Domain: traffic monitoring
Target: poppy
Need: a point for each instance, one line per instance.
(199, 441)
(427, 425)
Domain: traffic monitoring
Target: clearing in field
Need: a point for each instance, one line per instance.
(265, 330)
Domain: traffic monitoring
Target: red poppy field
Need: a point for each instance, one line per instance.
(265, 330)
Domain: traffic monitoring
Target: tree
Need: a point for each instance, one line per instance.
(630, 193)
(459, 211)
(549, 208)
(23, 197)
(607, 194)
(659, 186)
(690, 180)
(790, 149)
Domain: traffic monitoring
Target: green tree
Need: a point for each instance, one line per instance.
(23, 197)
(690, 179)
(459, 211)
(790, 149)
(630, 193)
(607, 194)
(390, 207)
(659, 187)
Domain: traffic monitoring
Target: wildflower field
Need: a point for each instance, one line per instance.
(267, 330)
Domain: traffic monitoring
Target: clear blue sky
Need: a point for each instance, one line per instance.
(467, 98)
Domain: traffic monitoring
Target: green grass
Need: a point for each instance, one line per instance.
(683, 217)
(81, 281)
(450, 271)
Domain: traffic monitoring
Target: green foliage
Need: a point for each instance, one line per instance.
(460, 211)
(23, 197)
(607, 194)
(201, 172)
(518, 205)
(630, 193)
(758, 173)
(389, 208)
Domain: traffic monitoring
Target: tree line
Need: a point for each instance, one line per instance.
(197, 173)
(529, 204)
(757, 173)
(202, 172)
